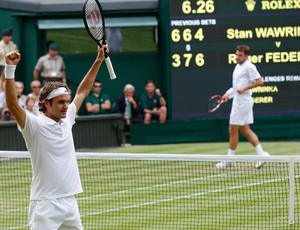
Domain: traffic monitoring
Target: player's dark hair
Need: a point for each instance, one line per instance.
(243, 48)
(46, 90)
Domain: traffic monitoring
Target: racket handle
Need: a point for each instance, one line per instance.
(110, 68)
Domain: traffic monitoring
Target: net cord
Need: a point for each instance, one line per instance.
(164, 157)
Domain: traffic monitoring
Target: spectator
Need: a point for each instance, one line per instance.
(2, 102)
(51, 66)
(128, 105)
(31, 105)
(6, 114)
(97, 102)
(6, 46)
(48, 43)
(153, 104)
(2, 79)
(35, 86)
(21, 97)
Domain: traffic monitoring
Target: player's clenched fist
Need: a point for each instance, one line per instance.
(13, 58)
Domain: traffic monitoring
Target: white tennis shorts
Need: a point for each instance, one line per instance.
(54, 214)
(242, 112)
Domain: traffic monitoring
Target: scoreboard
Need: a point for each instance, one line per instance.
(202, 37)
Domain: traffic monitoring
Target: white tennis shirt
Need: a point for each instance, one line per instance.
(54, 166)
(243, 75)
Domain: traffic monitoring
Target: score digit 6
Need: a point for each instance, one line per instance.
(187, 57)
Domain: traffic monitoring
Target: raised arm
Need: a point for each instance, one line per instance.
(12, 59)
(87, 83)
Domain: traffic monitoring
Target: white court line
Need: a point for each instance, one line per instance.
(183, 197)
(169, 199)
(126, 191)
(130, 190)
(13, 210)
(19, 227)
(152, 187)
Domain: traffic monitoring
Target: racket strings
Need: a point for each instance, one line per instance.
(94, 20)
(213, 103)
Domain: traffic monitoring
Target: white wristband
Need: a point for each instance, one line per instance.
(230, 92)
(10, 71)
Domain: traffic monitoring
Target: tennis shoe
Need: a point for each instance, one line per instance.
(259, 164)
(225, 164)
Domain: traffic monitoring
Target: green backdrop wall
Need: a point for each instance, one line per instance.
(134, 68)
(275, 128)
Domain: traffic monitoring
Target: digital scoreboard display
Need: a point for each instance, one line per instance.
(203, 38)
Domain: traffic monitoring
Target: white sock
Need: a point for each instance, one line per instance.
(259, 150)
(230, 152)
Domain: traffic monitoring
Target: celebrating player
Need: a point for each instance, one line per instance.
(245, 77)
(50, 143)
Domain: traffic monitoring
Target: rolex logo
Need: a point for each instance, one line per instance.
(250, 5)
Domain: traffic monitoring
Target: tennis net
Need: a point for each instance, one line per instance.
(166, 191)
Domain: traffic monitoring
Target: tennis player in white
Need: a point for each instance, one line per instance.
(245, 77)
(49, 140)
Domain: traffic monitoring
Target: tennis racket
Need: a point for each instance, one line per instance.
(214, 103)
(95, 26)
